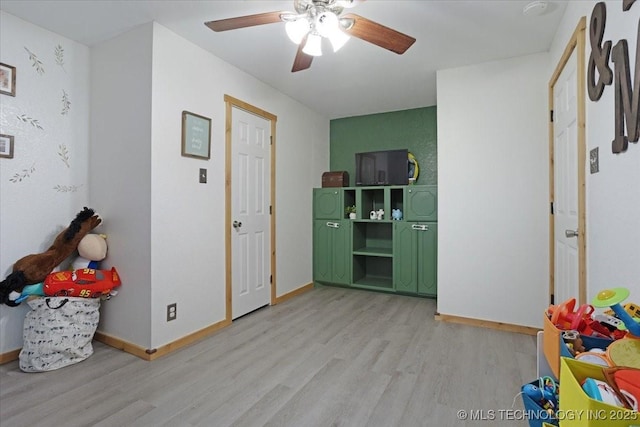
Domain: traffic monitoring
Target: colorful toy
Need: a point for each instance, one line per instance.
(596, 356)
(625, 353)
(29, 290)
(631, 308)
(627, 382)
(34, 268)
(91, 250)
(602, 391)
(396, 214)
(87, 283)
(545, 395)
(612, 298)
(574, 342)
(564, 317)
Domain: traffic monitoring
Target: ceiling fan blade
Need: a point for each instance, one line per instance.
(302, 60)
(378, 34)
(245, 21)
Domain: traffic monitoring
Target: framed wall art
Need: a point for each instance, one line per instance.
(7, 79)
(6, 146)
(196, 136)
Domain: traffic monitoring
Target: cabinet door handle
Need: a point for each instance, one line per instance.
(333, 225)
(420, 227)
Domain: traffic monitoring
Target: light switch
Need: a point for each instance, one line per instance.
(203, 176)
(594, 160)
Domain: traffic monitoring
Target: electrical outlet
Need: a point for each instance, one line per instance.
(203, 176)
(172, 312)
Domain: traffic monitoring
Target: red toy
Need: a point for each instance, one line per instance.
(564, 316)
(86, 282)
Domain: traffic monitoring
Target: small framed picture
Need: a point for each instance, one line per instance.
(196, 136)
(7, 79)
(6, 146)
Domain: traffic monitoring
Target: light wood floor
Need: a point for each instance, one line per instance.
(330, 357)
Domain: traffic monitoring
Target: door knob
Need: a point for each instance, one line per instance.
(237, 224)
(571, 233)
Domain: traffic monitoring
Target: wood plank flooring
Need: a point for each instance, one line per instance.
(330, 357)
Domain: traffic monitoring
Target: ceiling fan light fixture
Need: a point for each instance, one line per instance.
(296, 30)
(326, 23)
(313, 46)
(338, 39)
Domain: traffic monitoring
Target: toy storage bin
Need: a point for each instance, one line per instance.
(537, 416)
(58, 332)
(555, 348)
(578, 409)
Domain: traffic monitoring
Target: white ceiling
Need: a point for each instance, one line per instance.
(359, 79)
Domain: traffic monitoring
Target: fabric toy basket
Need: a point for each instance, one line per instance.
(58, 331)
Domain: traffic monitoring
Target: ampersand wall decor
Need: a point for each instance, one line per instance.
(626, 4)
(599, 57)
(627, 97)
(627, 93)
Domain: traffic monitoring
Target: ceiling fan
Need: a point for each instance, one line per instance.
(314, 20)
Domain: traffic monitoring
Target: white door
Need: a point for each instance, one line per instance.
(566, 210)
(250, 190)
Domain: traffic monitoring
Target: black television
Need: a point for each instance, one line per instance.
(390, 167)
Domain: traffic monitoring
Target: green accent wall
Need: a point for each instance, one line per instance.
(413, 129)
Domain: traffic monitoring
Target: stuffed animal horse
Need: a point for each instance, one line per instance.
(34, 268)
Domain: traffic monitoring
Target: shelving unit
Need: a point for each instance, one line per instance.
(384, 255)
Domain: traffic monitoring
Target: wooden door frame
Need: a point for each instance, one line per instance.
(231, 102)
(577, 43)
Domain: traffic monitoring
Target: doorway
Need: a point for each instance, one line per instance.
(249, 208)
(567, 162)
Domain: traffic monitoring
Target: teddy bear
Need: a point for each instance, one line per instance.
(574, 342)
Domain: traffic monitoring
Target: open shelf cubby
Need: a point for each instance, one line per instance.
(372, 199)
(373, 238)
(373, 272)
(396, 199)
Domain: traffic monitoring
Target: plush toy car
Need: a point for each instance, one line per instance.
(85, 282)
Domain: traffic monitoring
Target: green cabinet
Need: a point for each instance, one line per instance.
(327, 203)
(332, 251)
(415, 258)
(380, 254)
(421, 203)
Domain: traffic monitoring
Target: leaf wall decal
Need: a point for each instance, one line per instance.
(35, 62)
(64, 154)
(59, 54)
(66, 104)
(33, 122)
(67, 188)
(26, 173)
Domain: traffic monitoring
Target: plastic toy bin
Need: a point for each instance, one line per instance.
(537, 416)
(579, 410)
(555, 348)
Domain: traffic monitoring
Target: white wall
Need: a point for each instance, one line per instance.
(165, 230)
(120, 175)
(181, 219)
(613, 194)
(493, 190)
(45, 184)
(500, 272)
